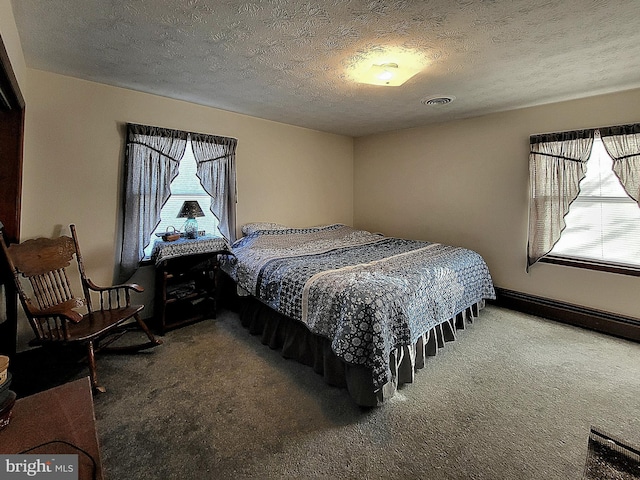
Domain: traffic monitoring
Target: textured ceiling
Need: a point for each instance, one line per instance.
(290, 61)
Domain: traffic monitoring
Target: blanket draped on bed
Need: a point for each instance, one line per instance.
(366, 293)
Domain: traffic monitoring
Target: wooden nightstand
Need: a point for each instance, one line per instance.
(186, 281)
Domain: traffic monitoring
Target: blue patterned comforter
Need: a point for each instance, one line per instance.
(368, 294)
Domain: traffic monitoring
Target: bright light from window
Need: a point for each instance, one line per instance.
(186, 186)
(603, 223)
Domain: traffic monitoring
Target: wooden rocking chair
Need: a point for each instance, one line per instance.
(39, 272)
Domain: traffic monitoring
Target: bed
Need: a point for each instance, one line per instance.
(363, 309)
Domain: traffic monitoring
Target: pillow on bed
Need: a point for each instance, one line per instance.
(249, 228)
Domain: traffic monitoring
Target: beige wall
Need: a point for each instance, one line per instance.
(466, 183)
(73, 157)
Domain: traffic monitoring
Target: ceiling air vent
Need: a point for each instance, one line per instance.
(438, 100)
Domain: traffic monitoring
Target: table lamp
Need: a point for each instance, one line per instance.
(190, 210)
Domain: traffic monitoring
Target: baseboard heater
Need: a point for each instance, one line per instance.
(601, 321)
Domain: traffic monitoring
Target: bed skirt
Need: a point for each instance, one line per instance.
(296, 342)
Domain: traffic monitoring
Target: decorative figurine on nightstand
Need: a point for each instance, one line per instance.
(190, 210)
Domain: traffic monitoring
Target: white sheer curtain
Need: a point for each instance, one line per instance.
(623, 146)
(152, 156)
(216, 159)
(557, 163)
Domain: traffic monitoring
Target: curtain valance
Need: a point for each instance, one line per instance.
(560, 136)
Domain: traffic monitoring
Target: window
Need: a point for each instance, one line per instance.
(153, 158)
(584, 199)
(186, 186)
(603, 223)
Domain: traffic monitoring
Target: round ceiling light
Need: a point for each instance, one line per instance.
(438, 100)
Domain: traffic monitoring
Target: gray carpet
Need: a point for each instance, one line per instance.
(513, 397)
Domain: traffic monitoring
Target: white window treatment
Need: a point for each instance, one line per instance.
(557, 163)
(152, 157)
(215, 157)
(623, 145)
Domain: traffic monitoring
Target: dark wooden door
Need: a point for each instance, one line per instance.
(11, 138)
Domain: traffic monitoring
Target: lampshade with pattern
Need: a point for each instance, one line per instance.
(190, 210)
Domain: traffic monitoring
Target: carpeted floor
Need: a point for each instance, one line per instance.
(513, 397)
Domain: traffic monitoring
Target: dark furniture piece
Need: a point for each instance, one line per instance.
(12, 108)
(185, 290)
(62, 421)
(40, 274)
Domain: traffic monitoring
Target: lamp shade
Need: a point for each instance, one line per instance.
(190, 209)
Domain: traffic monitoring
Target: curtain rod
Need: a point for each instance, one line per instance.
(179, 131)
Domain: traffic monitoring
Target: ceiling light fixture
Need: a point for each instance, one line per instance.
(391, 68)
(385, 72)
(388, 74)
(438, 100)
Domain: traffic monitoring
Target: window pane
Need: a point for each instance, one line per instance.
(186, 186)
(603, 223)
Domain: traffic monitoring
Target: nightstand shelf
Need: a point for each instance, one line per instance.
(186, 280)
(185, 290)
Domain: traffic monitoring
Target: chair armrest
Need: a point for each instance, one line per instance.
(127, 286)
(64, 310)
